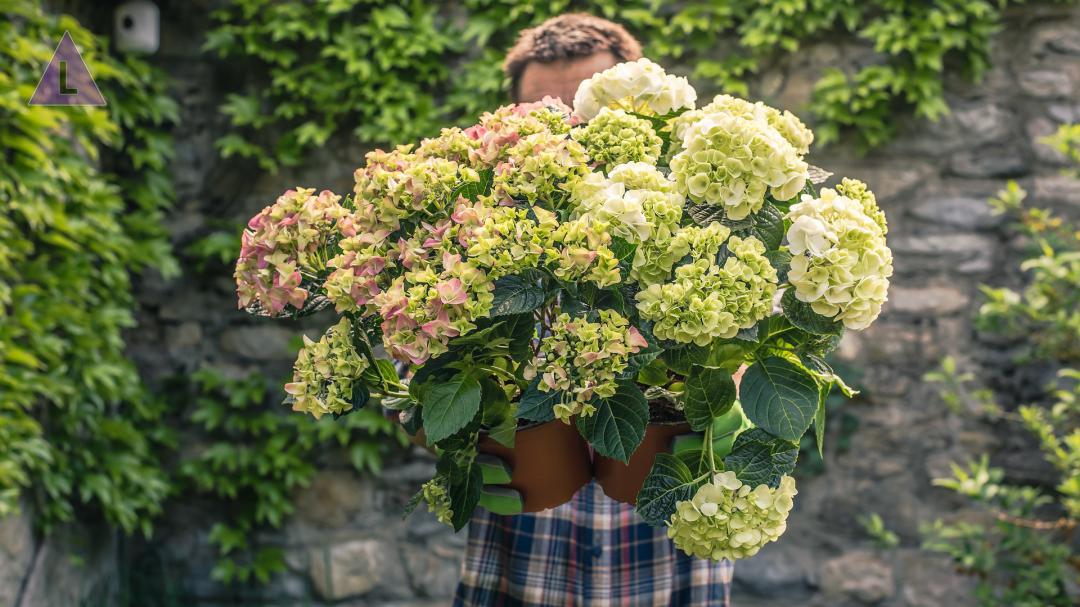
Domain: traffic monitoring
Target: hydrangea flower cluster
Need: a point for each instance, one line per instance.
(326, 372)
(615, 137)
(530, 251)
(840, 263)
(729, 520)
(637, 86)
(283, 248)
(705, 300)
(583, 358)
(732, 161)
(787, 124)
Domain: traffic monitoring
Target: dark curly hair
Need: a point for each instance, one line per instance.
(569, 36)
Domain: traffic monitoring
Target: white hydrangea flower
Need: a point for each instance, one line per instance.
(727, 519)
(732, 161)
(641, 176)
(638, 86)
(626, 211)
(840, 261)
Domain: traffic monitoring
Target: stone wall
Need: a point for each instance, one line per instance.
(347, 544)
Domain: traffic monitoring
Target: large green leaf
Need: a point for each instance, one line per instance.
(759, 458)
(537, 406)
(779, 397)
(668, 483)
(449, 406)
(516, 295)
(618, 425)
(804, 317)
(769, 226)
(709, 394)
(466, 485)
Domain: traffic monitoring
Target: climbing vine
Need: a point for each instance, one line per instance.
(83, 190)
(391, 71)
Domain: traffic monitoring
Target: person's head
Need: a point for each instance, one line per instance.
(554, 57)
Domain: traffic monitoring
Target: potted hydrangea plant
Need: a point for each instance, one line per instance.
(554, 277)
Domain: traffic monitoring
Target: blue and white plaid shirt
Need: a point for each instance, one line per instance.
(589, 552)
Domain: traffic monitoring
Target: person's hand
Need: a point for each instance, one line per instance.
(495, 495)
(725, 428)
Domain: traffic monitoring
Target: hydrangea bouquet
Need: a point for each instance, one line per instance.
(587, 266)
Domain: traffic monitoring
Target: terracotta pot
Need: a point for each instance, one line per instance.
(621, 482)
(549, 463)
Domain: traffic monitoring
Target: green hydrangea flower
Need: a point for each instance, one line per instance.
(787, 124)
(583, 358)
(840, 261)
(326, 371)
(729, 520)
(536, 167)
(614, 137)
(857, 190)
(641, 176)
(434, 494)
(705, 301)
(731, 161)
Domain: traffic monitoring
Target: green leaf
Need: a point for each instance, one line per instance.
(709, 394)
(653, 374)
(781, 262)
(622, 249)
(466, 485)
(520, 329)
(769, 226)
(669, 482)
(819, 420)
(759, 458)
(517, 295)
(449, 406)
(618, 425)
(779, 397)
(537, 406)
(803, 316)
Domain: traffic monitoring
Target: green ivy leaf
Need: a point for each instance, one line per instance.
(668, 483)
(803, 316)
(537, 406)
(759, 458)
(449, 406)
(709, 394)
(779, 397)
(517, 295)
(618, 425)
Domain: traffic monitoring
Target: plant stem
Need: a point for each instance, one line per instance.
(708, 444)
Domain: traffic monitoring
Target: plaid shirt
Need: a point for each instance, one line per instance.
(591, 551)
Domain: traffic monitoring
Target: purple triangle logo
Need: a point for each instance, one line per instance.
(67, 80)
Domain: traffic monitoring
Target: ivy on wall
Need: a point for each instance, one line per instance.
(394, 70)
(83, 190)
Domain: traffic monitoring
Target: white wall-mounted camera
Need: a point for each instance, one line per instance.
(137, 26)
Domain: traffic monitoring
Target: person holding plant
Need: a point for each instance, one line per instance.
(591, 550)
(571, 288)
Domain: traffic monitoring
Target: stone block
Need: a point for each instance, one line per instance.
(357, 568)
(860, 575)
(258, 342)
(927, 300)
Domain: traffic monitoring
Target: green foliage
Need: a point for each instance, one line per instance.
(253, 459)
(387, 72)
(1022, 553)
(875, 528)
(1047, 310)
(83, 190)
